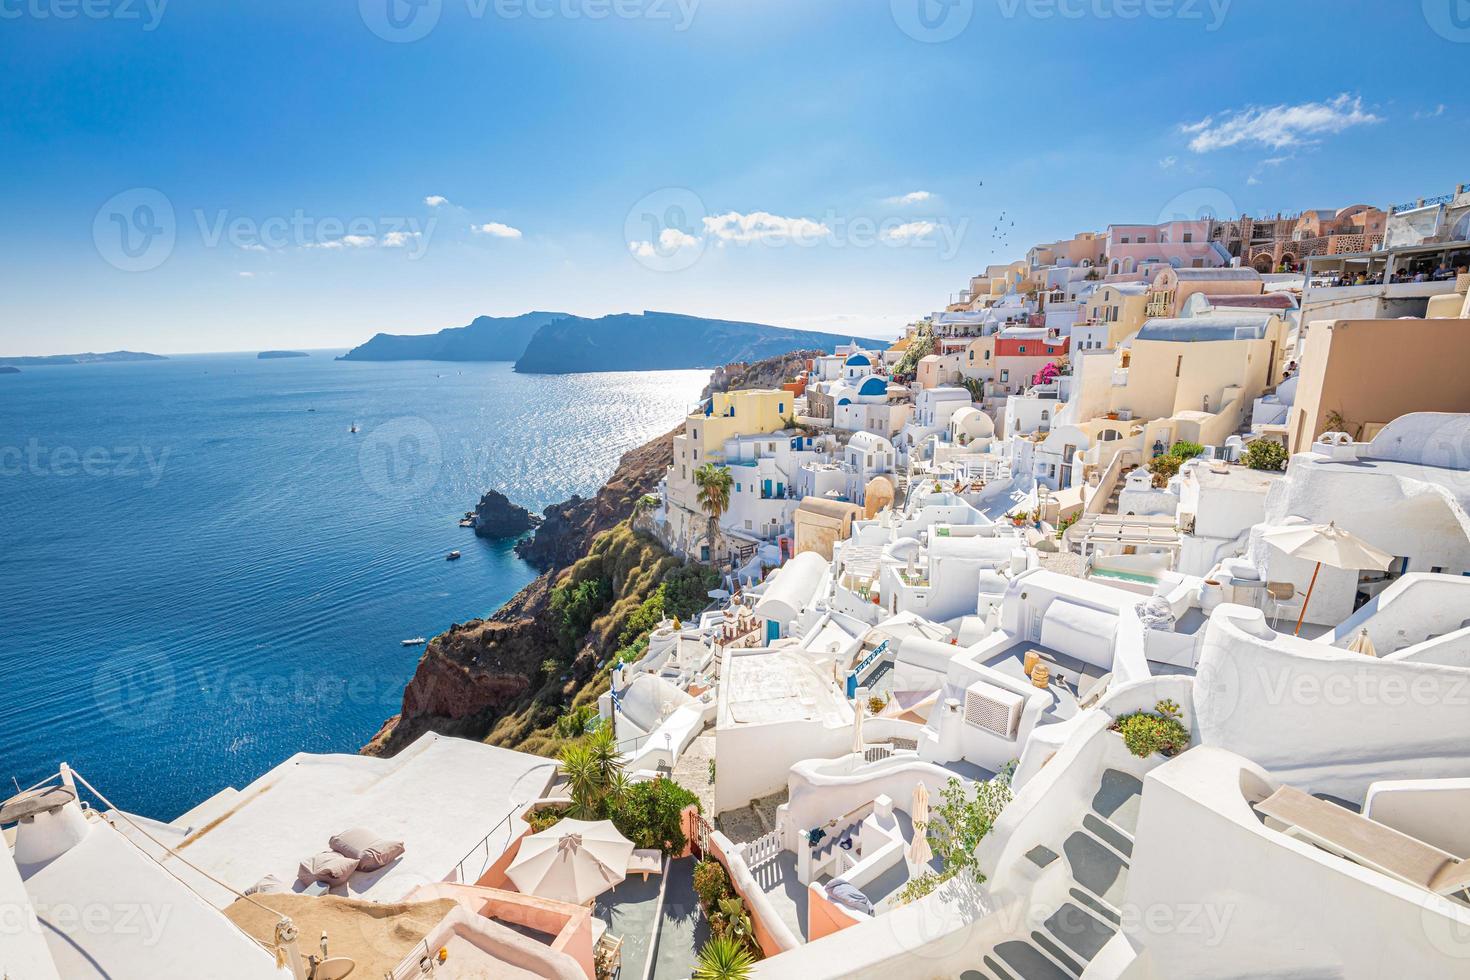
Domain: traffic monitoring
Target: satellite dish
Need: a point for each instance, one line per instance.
(333, 968)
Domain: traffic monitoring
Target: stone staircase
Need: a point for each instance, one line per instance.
(1096, 856)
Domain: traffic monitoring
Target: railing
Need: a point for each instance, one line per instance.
(877, 753)
(483, 847)
(1424, 202)
(860, 672)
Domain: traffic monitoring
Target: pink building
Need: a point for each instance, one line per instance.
(1179, 244)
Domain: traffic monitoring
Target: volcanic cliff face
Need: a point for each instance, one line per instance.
(478, 674)
(771, 372)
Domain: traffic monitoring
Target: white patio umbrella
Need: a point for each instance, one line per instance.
(857, 725)
(571, 861)
(1325, 544)
(1363, 643)
(919, 852)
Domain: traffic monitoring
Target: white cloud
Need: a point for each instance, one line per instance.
(346, 241)
(1168, 162)
(253, 247)
(497, 230)
(904, 232)
(1252, 180)
(1434, 113)
(435, 200)
(912, 197)
(398, 239)
(670, 240)
(1279, 125)
(758, 225)
(247, 275)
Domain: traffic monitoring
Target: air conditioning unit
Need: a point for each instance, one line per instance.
(994, 709)
(1125, 415)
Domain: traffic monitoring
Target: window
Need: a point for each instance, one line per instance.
(1022, 348)
(696, 454)
(1178, 364)
(747, 524)
(987, 355)
(737, 488)
(1005, 374)
(1188, 237)
(1142, 239)
(1124, 239)
(781, 408)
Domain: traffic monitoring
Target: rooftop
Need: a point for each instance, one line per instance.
(292, 811)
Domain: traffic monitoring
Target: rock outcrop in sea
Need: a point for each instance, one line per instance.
(497, 517)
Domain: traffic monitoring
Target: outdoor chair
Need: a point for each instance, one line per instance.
(1280, 595)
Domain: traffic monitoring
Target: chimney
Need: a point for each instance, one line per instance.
(50, 821)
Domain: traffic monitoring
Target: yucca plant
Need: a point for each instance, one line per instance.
(724, 958)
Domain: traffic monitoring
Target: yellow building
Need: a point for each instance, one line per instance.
(1189, 379)
(749, 412)
(1117, 306)
(1359, 375)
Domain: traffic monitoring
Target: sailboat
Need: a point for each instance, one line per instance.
(354, 428)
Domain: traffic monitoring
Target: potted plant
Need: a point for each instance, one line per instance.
(1158, 731)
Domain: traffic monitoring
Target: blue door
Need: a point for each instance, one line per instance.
(773, 631)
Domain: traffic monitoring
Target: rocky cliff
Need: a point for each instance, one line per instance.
(508, 678)
(497, 517)
(771, 372)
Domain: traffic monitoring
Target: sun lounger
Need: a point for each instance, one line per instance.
(1365, 841)
(646, 861)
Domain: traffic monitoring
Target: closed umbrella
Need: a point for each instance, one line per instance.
(1363, 643)
(857, 726)
(571, 861)
(919, 852)
(1325, 544)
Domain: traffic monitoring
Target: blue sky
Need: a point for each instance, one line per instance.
(206, 176)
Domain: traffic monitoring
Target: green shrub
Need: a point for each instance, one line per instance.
(956, 825)
(1163, 468)
(1265, 454)
(1185, 449)
(575, 606)
(710, 883)
(1147, 732)
(576, 721)
(650, 814)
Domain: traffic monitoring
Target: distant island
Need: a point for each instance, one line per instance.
(271, 355)
(44, 360)
(653, 341)
(558, 343)
(8, 369)
(487, 338)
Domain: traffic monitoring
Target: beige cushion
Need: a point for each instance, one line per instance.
(369, 850)
(268, 885)
(328, 866)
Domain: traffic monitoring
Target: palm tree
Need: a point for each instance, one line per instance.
(714, 484)
(594, 772)
(723, 958)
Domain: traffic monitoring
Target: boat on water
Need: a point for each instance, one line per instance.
(452, 556)
(467, 522)
(414, 641)
(354, 427)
